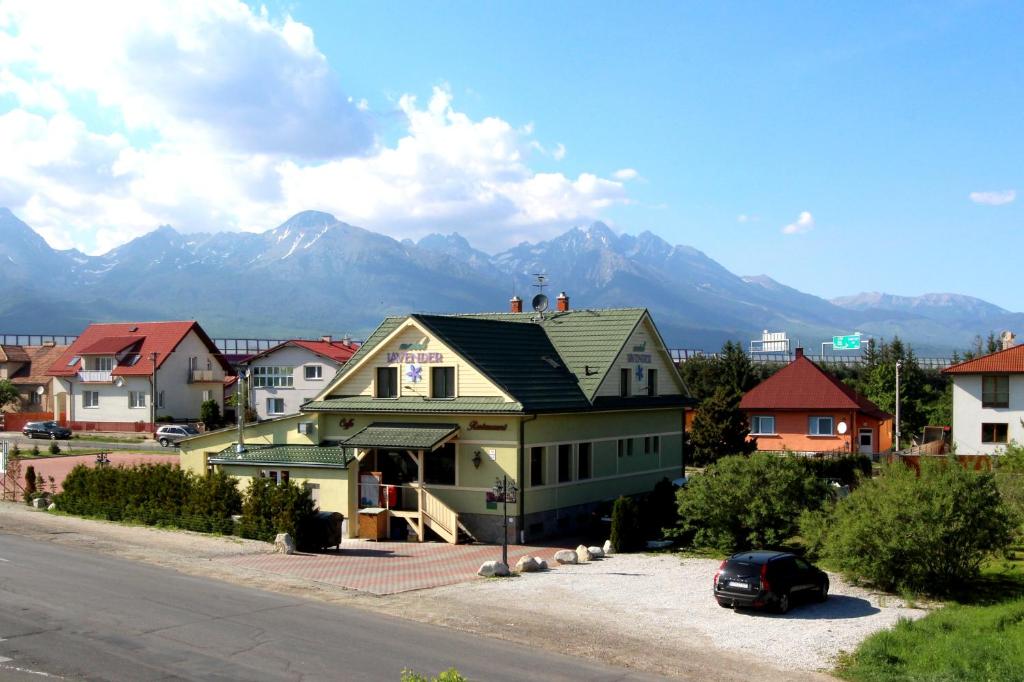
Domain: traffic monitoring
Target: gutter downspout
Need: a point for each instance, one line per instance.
(522, 482)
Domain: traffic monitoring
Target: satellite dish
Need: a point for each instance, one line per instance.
(40, 390)
(841, 427)
(540, 303)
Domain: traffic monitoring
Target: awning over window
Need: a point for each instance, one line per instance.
(404, 436)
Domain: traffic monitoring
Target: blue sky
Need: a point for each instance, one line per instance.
(834, 147)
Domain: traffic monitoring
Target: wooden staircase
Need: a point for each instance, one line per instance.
(439, 517)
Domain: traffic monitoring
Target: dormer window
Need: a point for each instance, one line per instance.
(387, 383)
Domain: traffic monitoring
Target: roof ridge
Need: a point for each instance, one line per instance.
(986, 356)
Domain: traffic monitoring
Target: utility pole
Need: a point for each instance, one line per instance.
(899, 363)
(152, 410)
(241, 402)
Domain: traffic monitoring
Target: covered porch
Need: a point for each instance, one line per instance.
(397, 464)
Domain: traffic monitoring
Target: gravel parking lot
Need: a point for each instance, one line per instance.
(662, 598)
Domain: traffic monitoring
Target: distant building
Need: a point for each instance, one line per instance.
(988, 401)
(26, 367)
(110, 374)
(803, 408)
(289, 374)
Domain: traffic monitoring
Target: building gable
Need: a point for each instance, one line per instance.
(642, 351)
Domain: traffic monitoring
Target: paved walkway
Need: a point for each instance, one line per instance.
(390, 567)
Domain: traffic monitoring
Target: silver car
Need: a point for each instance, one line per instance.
(172, 434)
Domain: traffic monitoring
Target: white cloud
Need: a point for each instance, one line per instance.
(996, 198)
(227, 119)
(804, 223)
(747, 218)
(626, 174)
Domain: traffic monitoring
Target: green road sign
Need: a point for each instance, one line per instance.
(849, 342)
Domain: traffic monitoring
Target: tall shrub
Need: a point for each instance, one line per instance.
(209, 414)
(30, 482)
(927, 532)
(626, 532)
(748, 502)
(269, 508)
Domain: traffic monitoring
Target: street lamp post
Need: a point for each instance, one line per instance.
(241, 402)
(899, 363)
(505, 488)
(152, 410)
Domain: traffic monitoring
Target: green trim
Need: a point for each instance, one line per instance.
(290, 455)
(414, 405)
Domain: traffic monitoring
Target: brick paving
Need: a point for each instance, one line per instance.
(389, 567)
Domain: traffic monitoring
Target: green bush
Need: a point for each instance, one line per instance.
(54, 448)
(659, 509)
(269, 508)
(741, 502)
(209, 413)
(450, 675)
(15, 451)
(35, 450)
(153, 494)
(627, 531)
(849, 469)
(30, 483)
(925, 533)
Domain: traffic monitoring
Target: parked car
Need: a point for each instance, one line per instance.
(50, 429)
(172, 434)
(774, 580)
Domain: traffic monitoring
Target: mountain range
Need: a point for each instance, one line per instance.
(315, 274)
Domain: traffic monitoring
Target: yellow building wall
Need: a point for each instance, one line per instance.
(283, 431)
(645, 350)
(333, 483)
(468, 381)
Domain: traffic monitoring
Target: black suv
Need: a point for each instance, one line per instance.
(51, 430)
(768, 580)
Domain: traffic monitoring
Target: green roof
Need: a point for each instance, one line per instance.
(294, 455)
(416, 404)
(405, 436)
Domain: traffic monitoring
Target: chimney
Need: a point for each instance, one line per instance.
(799, 352)
(346, 340)
(562, 302)
(515, 304)
(326, 338)
(1008, 340)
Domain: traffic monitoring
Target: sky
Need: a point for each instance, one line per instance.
(836, 147)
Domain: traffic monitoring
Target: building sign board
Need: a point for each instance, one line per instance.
(848, 342)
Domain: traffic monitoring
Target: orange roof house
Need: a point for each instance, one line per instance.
(803, 408)
(988, 402)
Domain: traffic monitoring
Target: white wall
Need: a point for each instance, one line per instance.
(631, 356)
(969, 415)
(113, 401)
(302, 389)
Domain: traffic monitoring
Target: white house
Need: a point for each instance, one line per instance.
(112, 372)
(292, 372)
(988, 401)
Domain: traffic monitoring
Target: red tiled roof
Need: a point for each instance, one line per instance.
(40, 358)
(1009, 360)
(802, 385)
(111, 345)
(159, 337)
(13, 354)
(333, 350)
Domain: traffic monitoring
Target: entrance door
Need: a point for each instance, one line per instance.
(866, 441)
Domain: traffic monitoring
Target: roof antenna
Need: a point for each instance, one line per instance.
(540, 301)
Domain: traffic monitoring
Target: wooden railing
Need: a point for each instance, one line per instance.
(439, 516)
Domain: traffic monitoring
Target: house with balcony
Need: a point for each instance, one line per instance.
(803, 408)
(284, 377)
(988, 401)
(126, 376)
(573, 407)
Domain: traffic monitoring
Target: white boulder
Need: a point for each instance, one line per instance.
(527, 564)
(607, 548)
(583, 554)
(542, 564)
(490, 569)
(40, 503)
(53, 505)
(596, 552)
(284, 544)
(566, 556)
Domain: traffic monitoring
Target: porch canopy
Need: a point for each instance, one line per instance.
(403, 436)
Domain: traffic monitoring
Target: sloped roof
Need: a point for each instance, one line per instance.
(159, 337)
(400, 435)
(13, 354)
(111, 345)
(1010, 360)
(40, 359)
(802, 385)
(332, 350)
(415, 404)
(294, 455)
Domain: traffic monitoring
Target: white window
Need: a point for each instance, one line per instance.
(207, 395)
(819, 426)
(275, 405)
(762, 425)
(90, 398)
(272, 377)
(102, 364)
(278, 476)
(314, 372)
(136, 399)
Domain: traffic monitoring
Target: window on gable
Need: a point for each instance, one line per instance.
(442, 382)
(313, 372)
(272, 377)
(652, 382)
(387, 383)
(275, 405)
(625, 375)
(995, 391)
(819, 426)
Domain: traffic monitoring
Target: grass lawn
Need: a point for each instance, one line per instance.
(980, 638)
(111, 439)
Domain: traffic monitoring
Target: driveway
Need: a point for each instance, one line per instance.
(389, 567)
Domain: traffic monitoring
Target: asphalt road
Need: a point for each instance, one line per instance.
(79, 615)
(43, 443)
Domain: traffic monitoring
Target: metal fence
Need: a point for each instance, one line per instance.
(680, 355)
